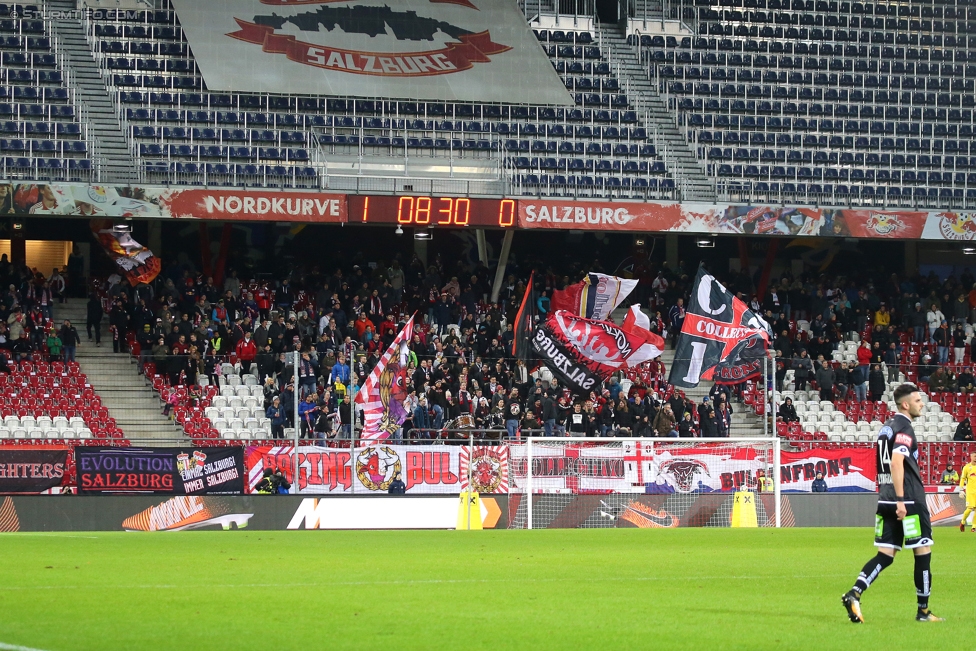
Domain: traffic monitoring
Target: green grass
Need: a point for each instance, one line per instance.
(557, 589)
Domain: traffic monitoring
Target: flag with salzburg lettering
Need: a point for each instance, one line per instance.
(721, 339)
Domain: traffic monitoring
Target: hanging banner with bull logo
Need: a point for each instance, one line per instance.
(721, 339)
(134, 261)
(469, 50)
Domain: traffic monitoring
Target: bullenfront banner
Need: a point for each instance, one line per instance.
(167, 471)
(474, 50)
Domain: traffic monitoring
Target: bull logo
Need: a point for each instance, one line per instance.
(486, 472)
(684, 471)
(883, 224)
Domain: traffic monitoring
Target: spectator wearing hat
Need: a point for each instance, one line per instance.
(787, 411)
(925, 368)
(933, 319)
(276, 413)
(246, 351)
(917, 320)
(703, 408)
(949, 475)
(819, 485)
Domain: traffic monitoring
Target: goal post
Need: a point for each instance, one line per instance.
(576, 482)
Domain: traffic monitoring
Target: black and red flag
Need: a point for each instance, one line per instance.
(721, 339)
(525, 322)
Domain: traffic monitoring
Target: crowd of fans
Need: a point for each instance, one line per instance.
(463, 373)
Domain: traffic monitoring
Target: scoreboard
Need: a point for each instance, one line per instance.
(427, 211)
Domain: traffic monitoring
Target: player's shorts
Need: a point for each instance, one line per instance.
(970, 499)
(915, 530)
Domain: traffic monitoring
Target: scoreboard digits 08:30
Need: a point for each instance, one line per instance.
(429, 211)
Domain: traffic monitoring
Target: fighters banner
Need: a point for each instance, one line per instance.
(383, 392)
(848, 470)
(30, 469)
(134, 261)
(370, 470)
(594, 297)
(582, 352)
(469, 50)
(721, 339)
(172, 471)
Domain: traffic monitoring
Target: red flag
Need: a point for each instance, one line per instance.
(567, 299)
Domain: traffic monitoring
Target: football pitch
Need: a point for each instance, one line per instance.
(552, 589)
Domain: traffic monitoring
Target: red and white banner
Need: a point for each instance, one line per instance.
(846, 470)
(489, 468)
(382, 394)
(569, 468)
(246, 205)
(732, 220)
(661, 467)
(472, 50)
(367, 471)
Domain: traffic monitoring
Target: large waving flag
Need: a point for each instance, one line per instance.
(637, 324)
(583, 352)
(721, 339)
(525, 322)
(382, 394)
(594, 297)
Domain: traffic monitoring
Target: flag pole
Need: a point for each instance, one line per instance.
(294, 460)
(352, 432)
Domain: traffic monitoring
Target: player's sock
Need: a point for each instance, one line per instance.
(923, 580)
(871, 571)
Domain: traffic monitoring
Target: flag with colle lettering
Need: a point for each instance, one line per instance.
(721, 339)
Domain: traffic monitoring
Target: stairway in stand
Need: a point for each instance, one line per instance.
(744, 421)
(130, 400)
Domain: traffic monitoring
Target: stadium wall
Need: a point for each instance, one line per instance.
(275, 513)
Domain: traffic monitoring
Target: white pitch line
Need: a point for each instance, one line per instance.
(44, 535)
(415, 582)
(14, 647)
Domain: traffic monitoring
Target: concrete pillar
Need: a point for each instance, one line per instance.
(482, 246)
(155, 242)
(496, 287)
(420, 248)
(911, 258)
(671, 250)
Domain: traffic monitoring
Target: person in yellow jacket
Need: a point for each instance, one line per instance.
(968, 488)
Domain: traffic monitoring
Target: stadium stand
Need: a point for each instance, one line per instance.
(181, 133)
(819, 101)
(43, 135)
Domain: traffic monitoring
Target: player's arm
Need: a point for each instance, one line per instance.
(898, 481)
(963, 478)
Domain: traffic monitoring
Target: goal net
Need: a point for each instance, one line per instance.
(600, 483)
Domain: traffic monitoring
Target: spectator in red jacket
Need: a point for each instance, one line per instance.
(864, 356)
(246, 352)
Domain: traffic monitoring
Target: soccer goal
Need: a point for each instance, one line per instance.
(601, 483)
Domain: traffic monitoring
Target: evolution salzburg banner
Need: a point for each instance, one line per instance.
(172, 471)
(153, 202)
(733, 220)
(370, 470)
(473, 50)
